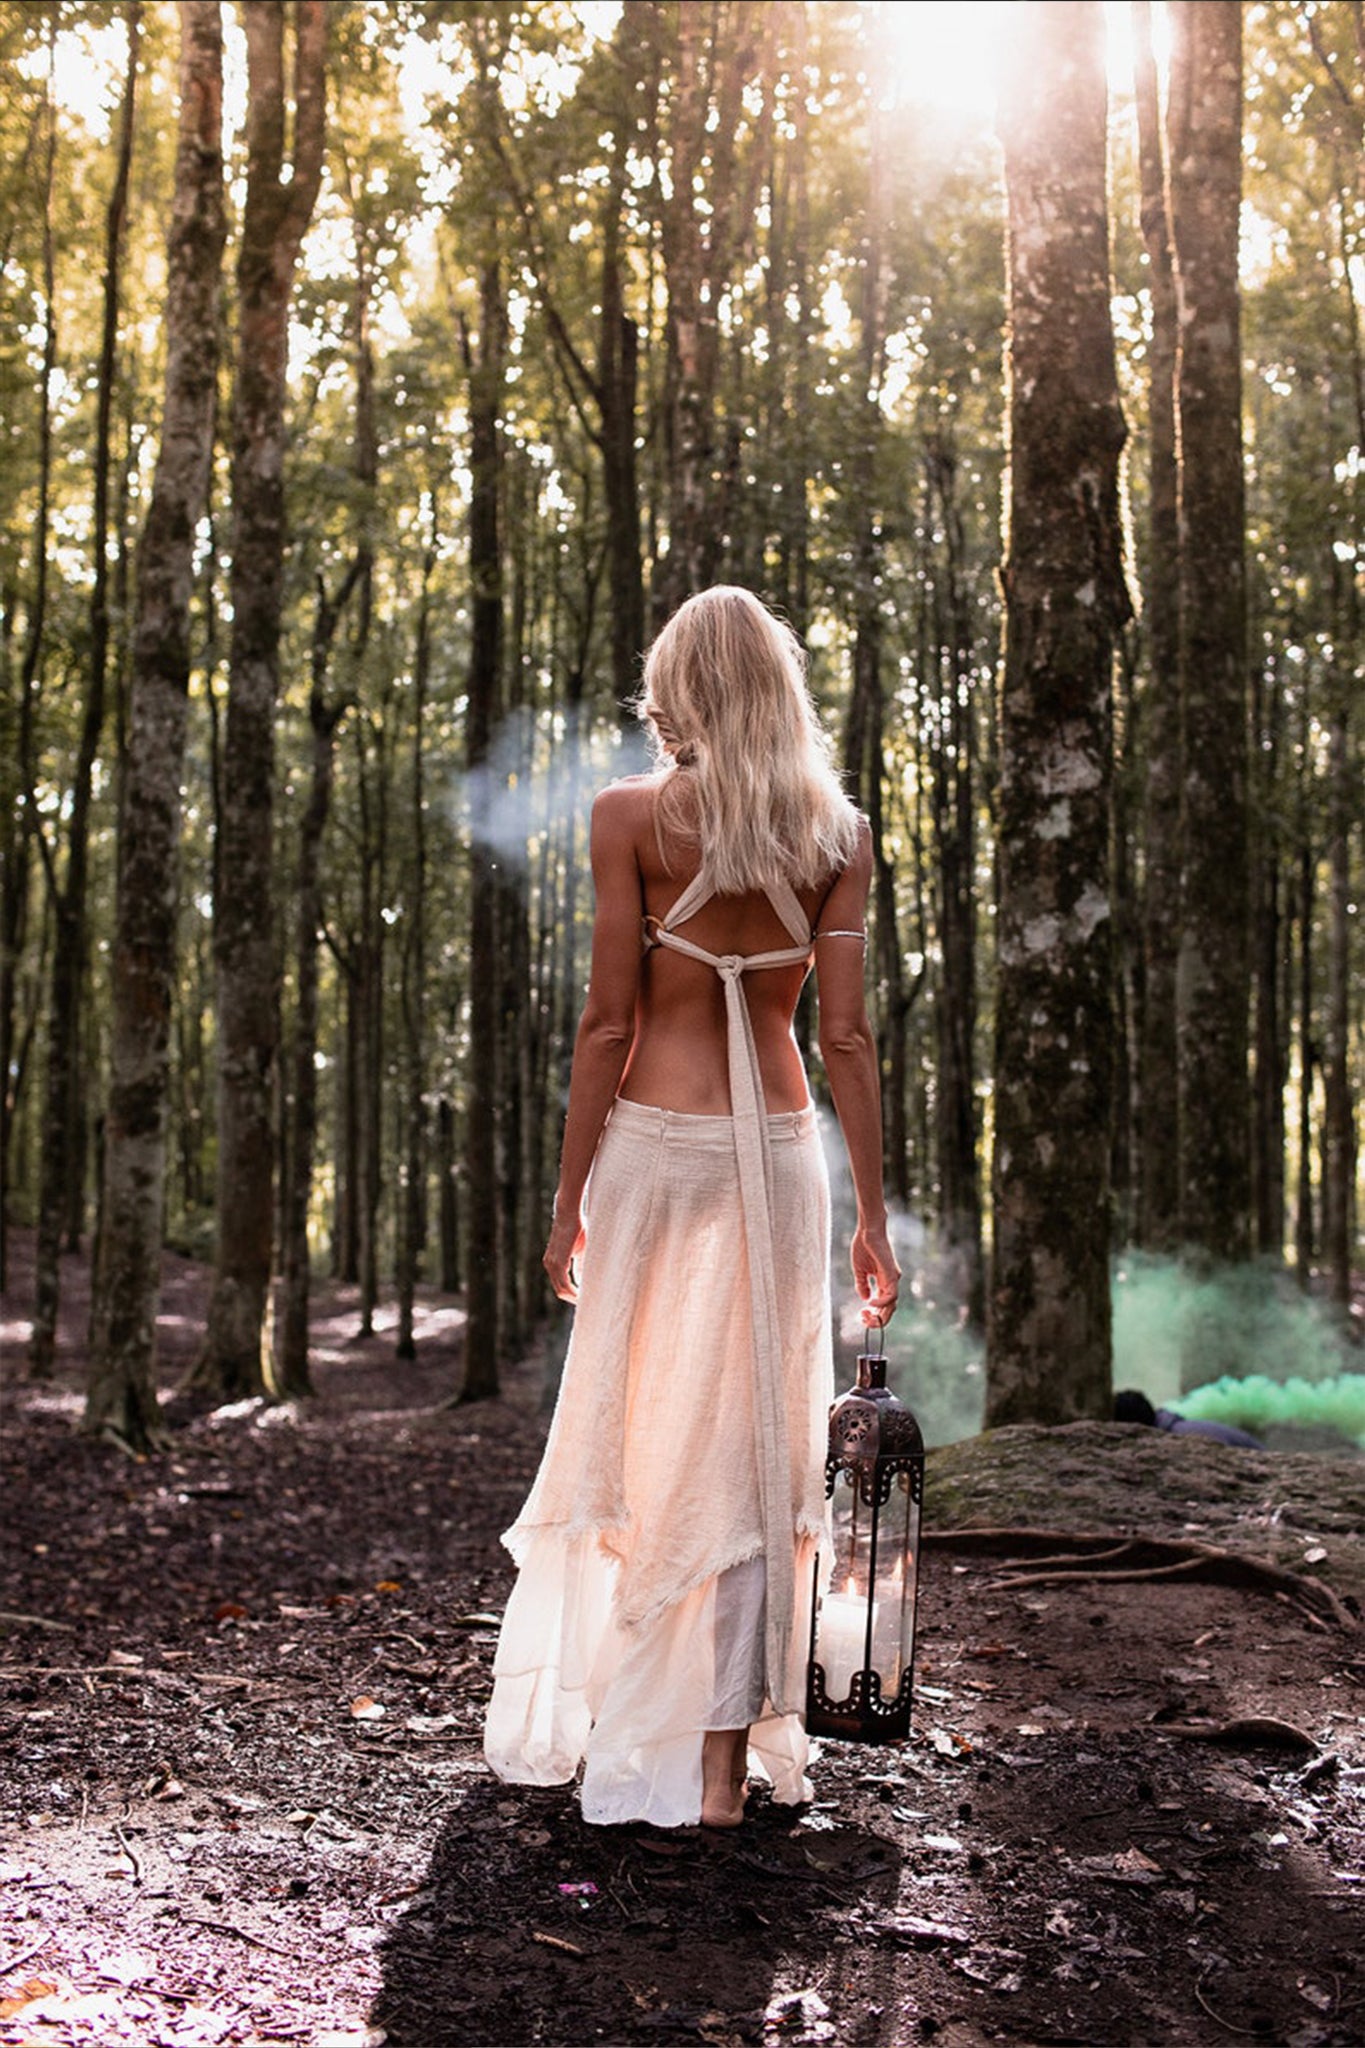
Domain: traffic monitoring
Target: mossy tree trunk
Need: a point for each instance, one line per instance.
(1048, 1341)
(121, 1397)
(279, 203)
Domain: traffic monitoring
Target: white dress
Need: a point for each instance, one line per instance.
(667, 1549)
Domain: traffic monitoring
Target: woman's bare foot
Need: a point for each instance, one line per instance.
(724, 1787)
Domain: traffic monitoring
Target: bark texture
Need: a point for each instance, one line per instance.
(1048, 1349)
(121, 1396)
(1205, 140)
(277, 211)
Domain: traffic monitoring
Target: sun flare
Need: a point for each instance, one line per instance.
(947, 54)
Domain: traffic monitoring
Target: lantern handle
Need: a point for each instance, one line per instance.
(877, 1330)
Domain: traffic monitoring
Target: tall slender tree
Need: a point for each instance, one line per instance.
(280, 195)
(121, 1397)
(1159, 703)
(1204, 114)
(63, 1149)
(22, 827)
(1049, 1349)
(485, 361)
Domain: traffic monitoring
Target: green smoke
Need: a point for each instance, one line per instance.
(1244, 1346)
(1175, 1329)
(1258, 1403)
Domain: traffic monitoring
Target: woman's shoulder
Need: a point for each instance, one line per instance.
(628, 796)
(624, 810)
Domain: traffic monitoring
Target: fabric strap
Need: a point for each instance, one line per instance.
(753, 1154)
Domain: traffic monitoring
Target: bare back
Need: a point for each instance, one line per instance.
(678, 1056)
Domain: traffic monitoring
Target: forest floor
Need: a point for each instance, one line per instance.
(242, 1798)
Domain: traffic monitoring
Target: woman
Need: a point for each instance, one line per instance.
(657, 1630)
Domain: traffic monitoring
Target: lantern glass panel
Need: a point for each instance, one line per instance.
(867, 1614)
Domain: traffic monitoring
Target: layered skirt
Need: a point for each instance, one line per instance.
(666, 1500)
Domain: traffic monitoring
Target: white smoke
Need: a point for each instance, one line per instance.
(540, 777)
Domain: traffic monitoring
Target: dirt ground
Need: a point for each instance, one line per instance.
(242, 1799)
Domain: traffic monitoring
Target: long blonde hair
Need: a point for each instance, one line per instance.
(727, 706)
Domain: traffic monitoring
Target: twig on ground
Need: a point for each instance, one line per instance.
(129, 1851)
(570, 1948)
(25, 1955)
(1230, 2025)
(226, 1927)
(37, 1621)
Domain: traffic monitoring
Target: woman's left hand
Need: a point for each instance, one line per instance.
(567, 1238)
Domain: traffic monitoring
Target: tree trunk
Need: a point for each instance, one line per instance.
(1048, 1350)
(449, 1204)
(617, 379)
(1305, 1229)
(1205, 145)
(65, 1084)
(1158, 708)
(121, 1397)
(716, 58)
(346, 1225)
(24, 828)
(954, 813)
(413, 1219)
(1269, 1133)
(1343, 780)
(786, 288)
(485, 372)
(1339, 1132)
(277, 211)
(368, 994)
(289, 1369)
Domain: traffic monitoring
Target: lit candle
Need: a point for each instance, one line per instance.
(840, 1640)
(887, 1635)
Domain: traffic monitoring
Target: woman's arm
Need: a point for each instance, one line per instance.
(849, 1053)
(606, 1029)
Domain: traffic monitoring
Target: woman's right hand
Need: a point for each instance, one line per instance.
(876, 1274)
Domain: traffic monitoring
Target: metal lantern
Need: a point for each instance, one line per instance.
(862, 1651)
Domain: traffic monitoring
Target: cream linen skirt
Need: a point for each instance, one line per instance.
(637, 1618)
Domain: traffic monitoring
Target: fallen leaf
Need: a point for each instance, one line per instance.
(366, 1709)
(388, 1586)
(29, 1993)
(795, 2009)
(910, 1928)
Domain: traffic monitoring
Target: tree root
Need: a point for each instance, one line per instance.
(1247, 1731)
(1057, 1555)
